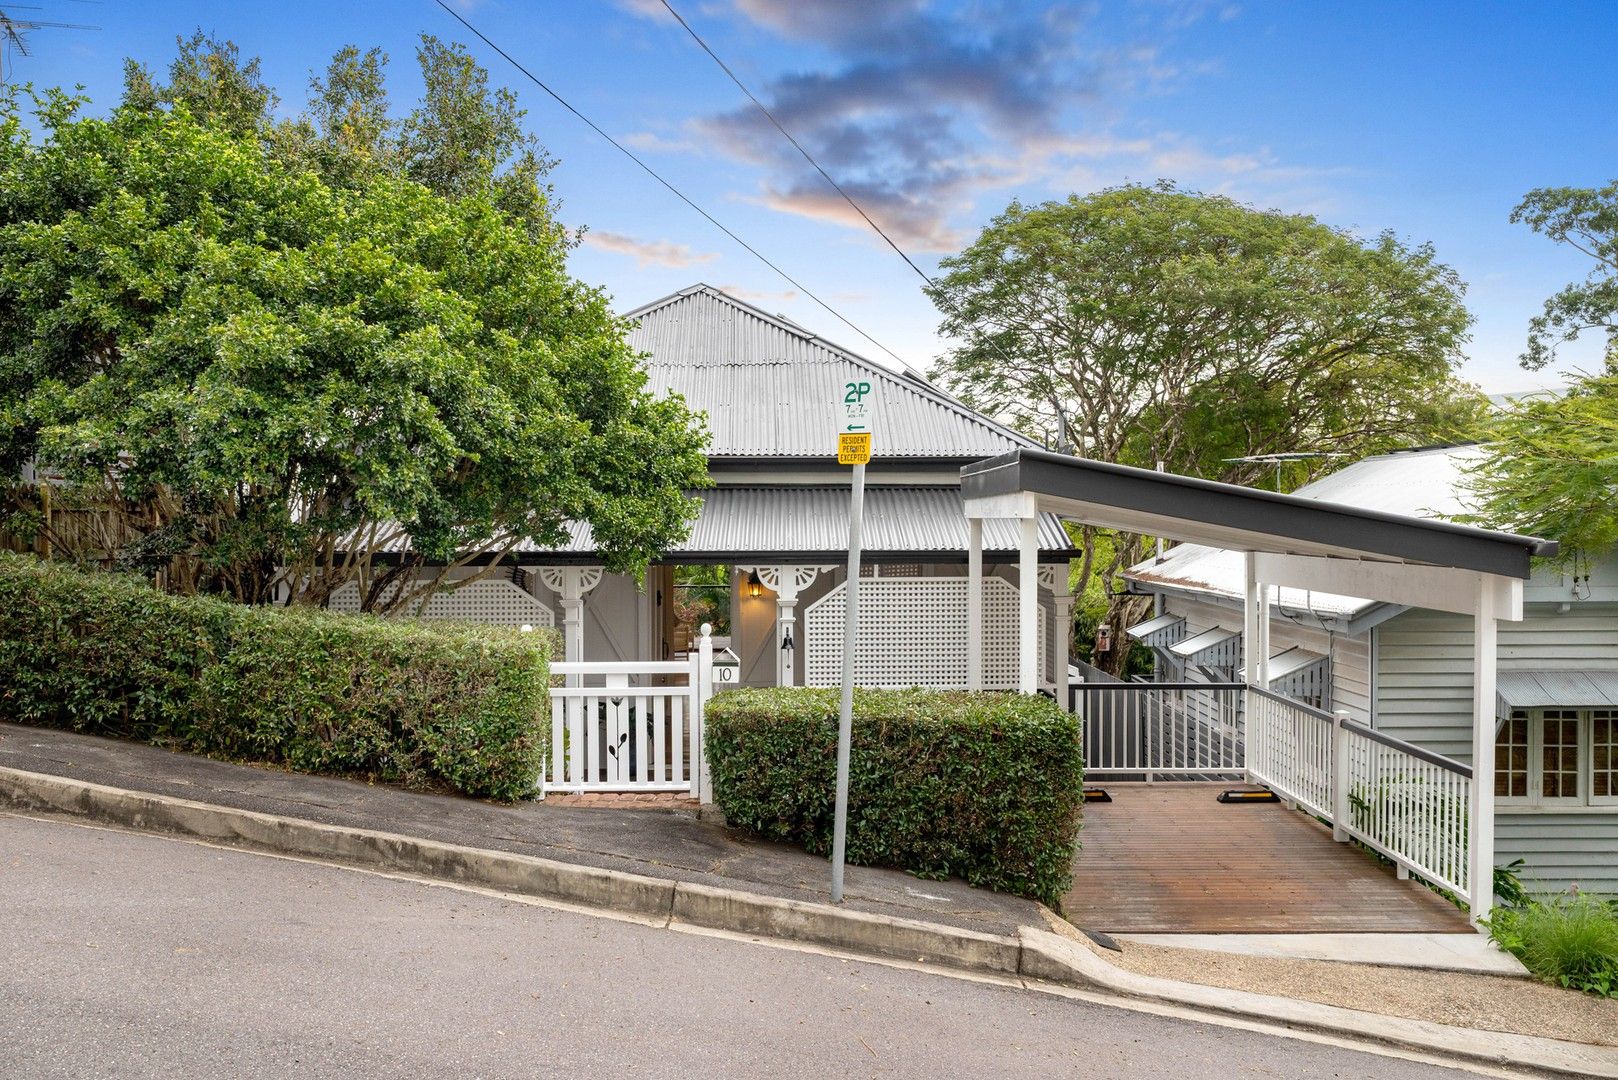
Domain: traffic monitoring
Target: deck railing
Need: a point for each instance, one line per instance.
(1161, 731)
(1404, 802)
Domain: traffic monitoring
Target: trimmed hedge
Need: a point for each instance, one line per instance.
(987, 787)
(314, 691)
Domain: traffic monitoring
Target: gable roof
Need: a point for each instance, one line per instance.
(772, 389)
(1424, 483)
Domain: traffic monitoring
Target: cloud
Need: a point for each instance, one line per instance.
(924, 108)
(921, 110)
(648, 252)
(741, 292)
(652, 141)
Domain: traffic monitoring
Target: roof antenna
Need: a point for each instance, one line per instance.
(14, 31)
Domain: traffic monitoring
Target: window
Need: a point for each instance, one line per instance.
(1511, 757)
(1557, 757)
(1604, 755)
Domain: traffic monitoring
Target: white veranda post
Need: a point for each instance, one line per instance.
(1481, 835)
(1256, 627)
(786, 582)
(974, 604)
(1028, 606)
(1057, 578)
(570, 583)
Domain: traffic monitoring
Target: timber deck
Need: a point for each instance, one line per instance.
(1167, 858)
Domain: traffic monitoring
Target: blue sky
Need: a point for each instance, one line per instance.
(1428, 119)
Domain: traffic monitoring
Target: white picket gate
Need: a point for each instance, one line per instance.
(629, 726)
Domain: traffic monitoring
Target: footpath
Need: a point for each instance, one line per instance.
(672, 866)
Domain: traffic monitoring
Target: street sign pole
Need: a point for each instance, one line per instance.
(853, 448)
(845, 713)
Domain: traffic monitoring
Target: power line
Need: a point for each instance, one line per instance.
(858, 209)
(941, 299)
(715, 222)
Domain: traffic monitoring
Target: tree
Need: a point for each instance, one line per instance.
(1585, 219)
(209, 78)
(1144, 324)
(463, 140)
(286, 384)
(1552, 470)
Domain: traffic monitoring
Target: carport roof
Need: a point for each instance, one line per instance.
(1192, 510)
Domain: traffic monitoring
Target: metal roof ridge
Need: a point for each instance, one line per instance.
(906, 376)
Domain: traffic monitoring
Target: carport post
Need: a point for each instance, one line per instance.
(1028, 643)
(1480, 876)
(974, 603)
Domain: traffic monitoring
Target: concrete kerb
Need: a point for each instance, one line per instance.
(1035, 954)
(527, 875)
(1057, 958)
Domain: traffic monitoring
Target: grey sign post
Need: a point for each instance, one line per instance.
(853, 448)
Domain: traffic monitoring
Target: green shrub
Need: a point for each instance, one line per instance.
(312, 690)
(1571, 941)
(987, 787)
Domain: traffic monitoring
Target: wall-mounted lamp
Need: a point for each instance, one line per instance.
(755, 587)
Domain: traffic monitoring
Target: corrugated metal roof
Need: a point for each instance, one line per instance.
(1421, 483)
(1201, 643)
(762, 521)
(1553, 689)
(1142, 631)
(773, 389)
(1289, 661)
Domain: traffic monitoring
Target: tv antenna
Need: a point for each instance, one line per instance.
(14, 32)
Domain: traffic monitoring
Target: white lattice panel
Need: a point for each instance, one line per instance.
(913, 633)
(493, 601)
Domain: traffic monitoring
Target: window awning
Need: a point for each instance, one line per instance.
(1151, 629)
(1291, 661)
(1194, 646)
(1558, 689)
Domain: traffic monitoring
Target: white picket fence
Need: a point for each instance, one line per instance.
(631, 727)
(1402, 801)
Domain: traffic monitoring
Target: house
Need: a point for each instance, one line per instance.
(1407, 671)
(777, 519)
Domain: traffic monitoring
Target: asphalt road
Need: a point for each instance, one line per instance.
(125, 955)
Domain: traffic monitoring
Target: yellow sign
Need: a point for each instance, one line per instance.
(853, 447)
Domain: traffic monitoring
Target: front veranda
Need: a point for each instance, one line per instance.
(944, 604)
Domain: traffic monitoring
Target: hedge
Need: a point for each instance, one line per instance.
(313, 691)
(986, 787)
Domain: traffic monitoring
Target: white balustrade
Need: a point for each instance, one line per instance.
(624, 727)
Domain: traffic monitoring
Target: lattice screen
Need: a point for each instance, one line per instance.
(913, 633)
(493, 601)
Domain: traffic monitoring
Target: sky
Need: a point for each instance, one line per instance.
(1428, 119)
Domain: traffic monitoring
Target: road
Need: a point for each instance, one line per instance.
(127, 955)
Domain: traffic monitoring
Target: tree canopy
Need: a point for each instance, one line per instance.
(1585, 219)
(1552, 470)
(289, 369)
(1552, 464)
(1147, 324)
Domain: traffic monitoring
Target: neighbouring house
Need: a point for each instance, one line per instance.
(1408, 671)
(777, 520)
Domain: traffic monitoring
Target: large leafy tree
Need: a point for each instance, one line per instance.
(283, 383)
(1552, 470)
(1552, 466)
(1147, 324)
(1585, 219)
